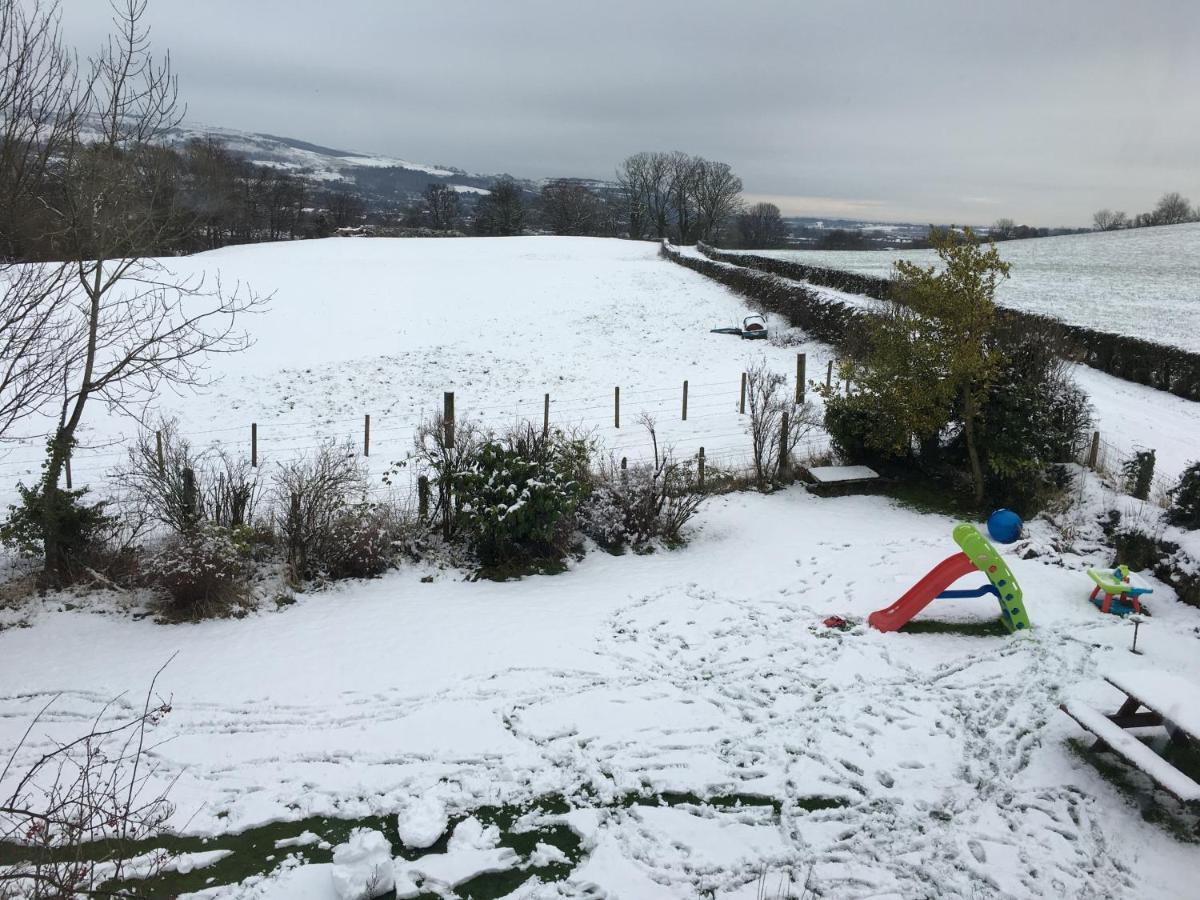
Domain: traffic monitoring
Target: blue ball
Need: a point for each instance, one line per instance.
(1004, 526)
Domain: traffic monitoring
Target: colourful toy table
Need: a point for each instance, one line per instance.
(1116, 587)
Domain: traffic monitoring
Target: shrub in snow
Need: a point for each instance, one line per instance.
(360, 543)
(854, 423)
(1137, 473)
(768, 405)
(362, 867)
(643, 502)
(80, 525)
(519, 496)
(188, 489)
(311, 496)
(447, 454)
(1185, 499)
(202, 573)
(1033, 417)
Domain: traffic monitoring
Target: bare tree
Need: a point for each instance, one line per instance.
(718, 196)
(502, 211)
(683, 183)
(767, 403)
(39, 107)
(77, 810)
(1107, 220)
(1002, 229)
(569, 208)
(442, 206)
(761, 226)
(35, 326)
(1172, 209)
(631, 180)
(136, 324)
(38, 117)
(345, 209)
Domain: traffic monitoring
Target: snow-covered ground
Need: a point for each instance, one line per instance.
(705, 671)
(1144, 282)
(900, 765)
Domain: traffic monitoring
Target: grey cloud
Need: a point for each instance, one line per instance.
(909, 109)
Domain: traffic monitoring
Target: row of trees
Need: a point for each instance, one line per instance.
(678, 196)
(1172, 209)
(569, 206)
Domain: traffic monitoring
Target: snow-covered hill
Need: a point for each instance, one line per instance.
(372, 175)
(1143, 282)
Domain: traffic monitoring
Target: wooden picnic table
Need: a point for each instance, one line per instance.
(1152, 699)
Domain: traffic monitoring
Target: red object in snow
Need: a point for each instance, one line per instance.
(835, 622)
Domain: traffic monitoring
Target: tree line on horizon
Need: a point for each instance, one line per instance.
(1172, 209)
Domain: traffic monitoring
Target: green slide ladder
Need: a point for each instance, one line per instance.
(985, 558)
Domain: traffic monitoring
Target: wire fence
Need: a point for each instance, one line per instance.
(1121, 463)
(692, 419)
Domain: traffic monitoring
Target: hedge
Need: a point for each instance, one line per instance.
(824, 319)
(1130, 358)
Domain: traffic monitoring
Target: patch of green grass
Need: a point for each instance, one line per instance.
(253, 852)
(987, 628)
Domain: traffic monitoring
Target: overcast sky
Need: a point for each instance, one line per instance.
(923, 111)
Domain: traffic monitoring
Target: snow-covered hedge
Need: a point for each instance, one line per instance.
(1123, 355)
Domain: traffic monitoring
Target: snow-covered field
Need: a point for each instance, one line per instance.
(1144, 282)
(628, 690)
(384, 327)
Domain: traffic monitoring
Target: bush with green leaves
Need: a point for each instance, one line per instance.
(81, 525)
(519, 495)
(1185, 499)
(1137, 473)
(1033, 417)
(854, 424)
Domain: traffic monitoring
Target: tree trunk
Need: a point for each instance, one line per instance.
(972, 450)
(54, 571)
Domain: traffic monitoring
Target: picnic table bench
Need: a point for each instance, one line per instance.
(1151, 699)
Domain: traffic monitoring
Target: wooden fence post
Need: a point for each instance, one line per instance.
(624, 468)
(801, 365)
(423, 497)
(1095, 451)
(546, 416)
(847, 385)
(616, 407)
(700, 468)
(189, 496)
(367, 434)
(784, 461)
(253, 446)
(448, 418)
(829, 375)
(742, 400)
(159, 450)
(685, 390)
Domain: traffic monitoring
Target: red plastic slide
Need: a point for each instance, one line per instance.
(920, 594)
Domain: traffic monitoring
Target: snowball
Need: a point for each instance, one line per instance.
(362, 867)
(471, 835)
(422, 823)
